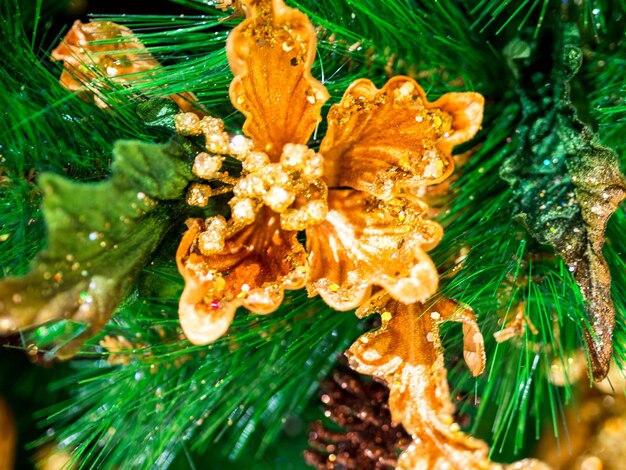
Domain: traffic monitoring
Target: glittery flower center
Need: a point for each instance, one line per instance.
(292, 187)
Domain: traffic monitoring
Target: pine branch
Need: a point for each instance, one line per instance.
(44, 128)
(169, 393)
(506, 271)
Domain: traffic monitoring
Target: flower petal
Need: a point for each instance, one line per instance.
(365, 242)
(271, 54)
(379, 141)
(473, 342)
(98, 49)
(406, 353)
(466, 110)
(252, 269)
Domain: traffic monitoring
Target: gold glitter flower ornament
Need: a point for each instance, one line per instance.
(354, 198)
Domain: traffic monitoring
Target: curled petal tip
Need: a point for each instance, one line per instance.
(466, 110)
(201, 323)
(474, 350)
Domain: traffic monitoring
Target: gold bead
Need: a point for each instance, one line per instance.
(198, 195)
(211, 125)
(211, 240)
(278, 198)
(316, 211)
(187, 124)
(243, 210)
(240, 146)
(217, 143)
(295, 156)
(206, 166)
(255, 161)
(314, 167)
(274, 175)
(251, 186)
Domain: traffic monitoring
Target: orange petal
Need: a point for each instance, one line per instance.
(379, 141)
(406, 353)
(271, 54)
(254, 267)
(98, 49)
(473, 343)
(86, 55)
(466, 110)
(365, 242)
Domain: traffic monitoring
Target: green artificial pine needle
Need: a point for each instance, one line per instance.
(139, 394)
(172, 390)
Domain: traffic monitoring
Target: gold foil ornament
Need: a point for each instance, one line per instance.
(95, 52)
(371, 235)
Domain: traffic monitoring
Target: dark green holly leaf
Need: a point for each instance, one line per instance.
(565, 184)
(158, 112)
(100, 236)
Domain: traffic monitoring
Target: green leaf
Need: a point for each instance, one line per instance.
(566, 185)
(100, 236)
(158, 112)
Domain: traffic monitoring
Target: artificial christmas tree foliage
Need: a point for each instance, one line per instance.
(275, 166)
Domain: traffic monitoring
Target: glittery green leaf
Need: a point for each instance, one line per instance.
(565, 184)
(158, 112)
(100, 235)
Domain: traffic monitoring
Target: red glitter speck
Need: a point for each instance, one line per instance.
(215, 304)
